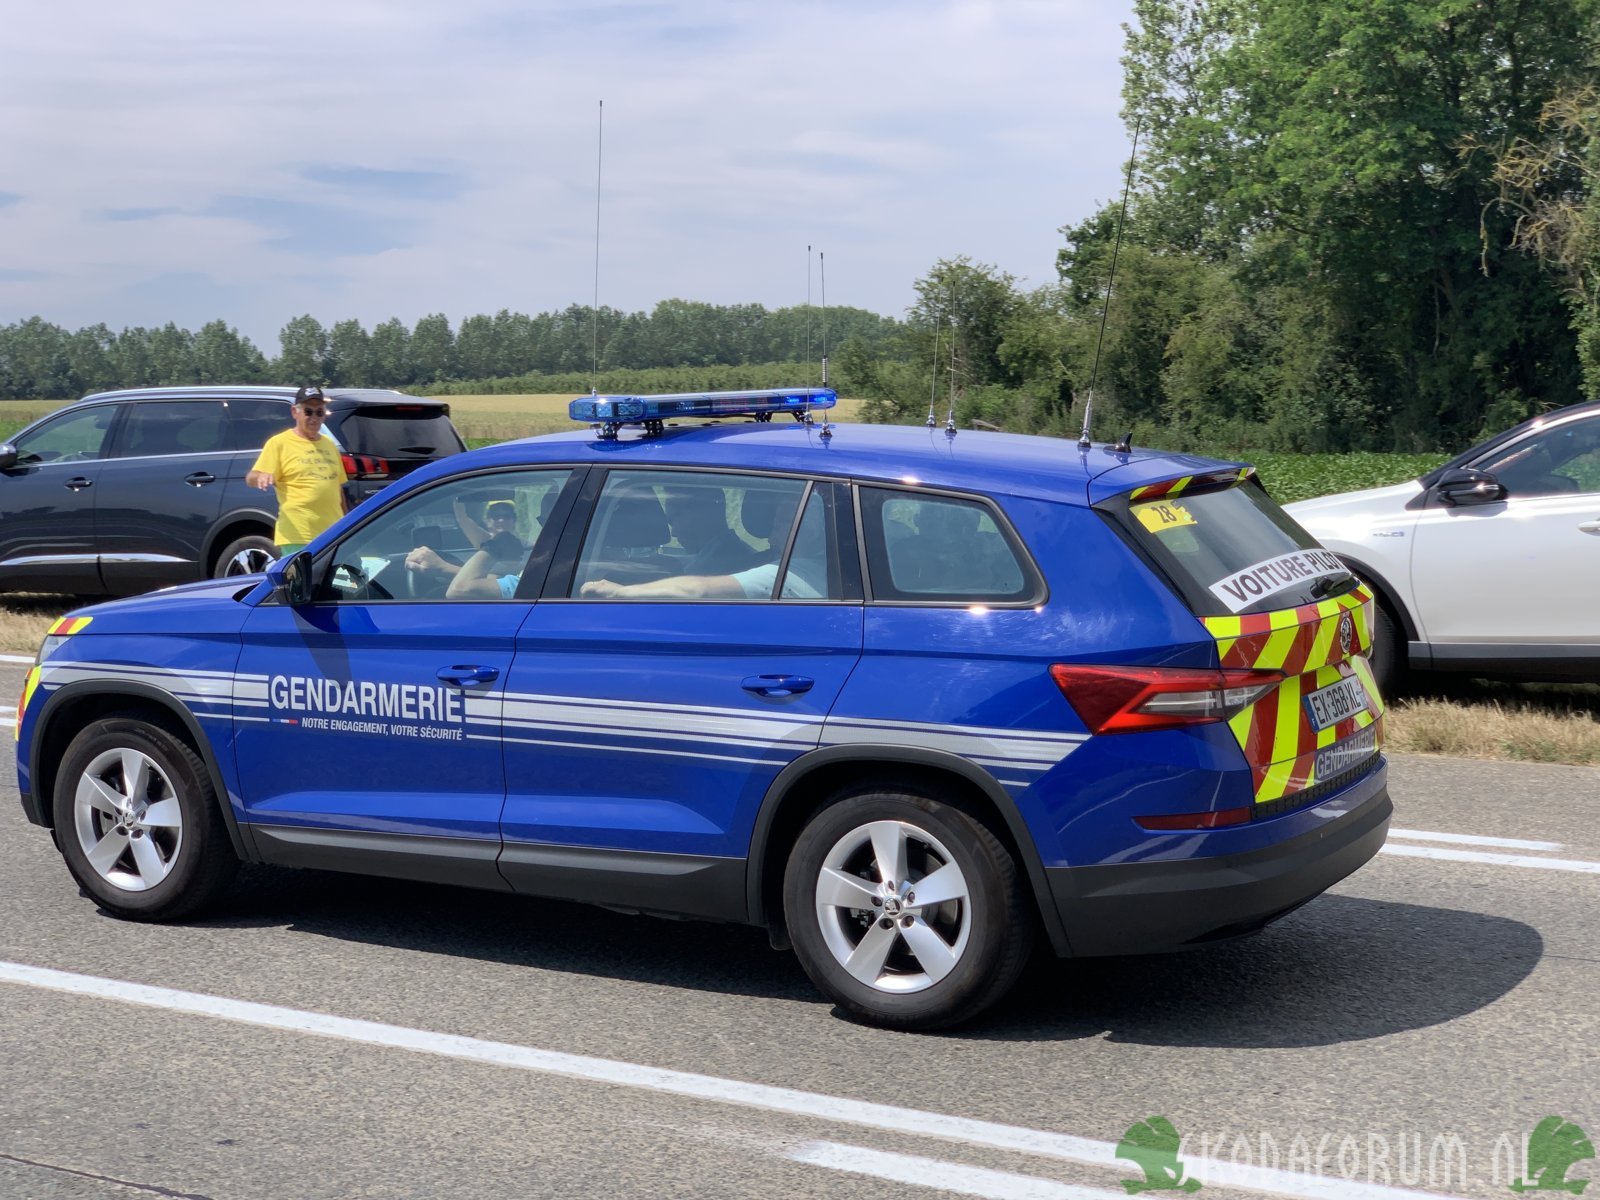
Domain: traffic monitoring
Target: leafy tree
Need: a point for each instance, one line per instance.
(349, 358)
(433, 349)
(304, 352)
(390, 350)
(172, 356)
(221, 355)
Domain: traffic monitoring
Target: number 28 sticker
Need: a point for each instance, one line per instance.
(1160, 516)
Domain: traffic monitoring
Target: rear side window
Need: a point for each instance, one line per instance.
(1235, 551)
(941, 549)
(252, 422)
(76, 437)
(399, 431)
(177, 427)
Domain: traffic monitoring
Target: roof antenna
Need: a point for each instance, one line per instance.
(822, 279)
(822, 272)
(594, 317)
(1094, 372)
(950, 419)
(933, 387)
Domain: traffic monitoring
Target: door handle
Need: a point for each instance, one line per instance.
(777, 687)
(467, 676)
(200, 478)
(1590, 526)
(78, 482)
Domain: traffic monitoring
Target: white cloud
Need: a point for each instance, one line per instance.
(887, 134)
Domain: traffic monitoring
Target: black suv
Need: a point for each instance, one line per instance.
(121, 492)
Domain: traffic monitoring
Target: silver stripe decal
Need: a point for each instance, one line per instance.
(727, 758)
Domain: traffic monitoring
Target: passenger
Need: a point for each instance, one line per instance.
(699, 521)
(493, 571)
(499, 517)
(754, 583)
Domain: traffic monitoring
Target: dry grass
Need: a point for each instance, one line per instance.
(24, 618)
(1520, 732)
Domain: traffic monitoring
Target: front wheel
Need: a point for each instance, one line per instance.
(138, 822)
(905, 910)
(249, 555)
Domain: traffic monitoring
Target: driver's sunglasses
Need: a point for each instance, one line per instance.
(314, 412)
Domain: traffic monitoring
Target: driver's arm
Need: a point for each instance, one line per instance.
(475, 581)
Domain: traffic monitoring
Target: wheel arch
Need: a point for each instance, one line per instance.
(1388, 595)
(70, 708)
(252, 522)
(802, 787)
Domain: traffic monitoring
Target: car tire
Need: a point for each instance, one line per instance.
(1387, 654)
(138, 822)
(249, 555)
(895, 961)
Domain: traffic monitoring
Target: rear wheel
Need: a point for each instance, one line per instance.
(249, 555)
(137, 821)
(905, 910)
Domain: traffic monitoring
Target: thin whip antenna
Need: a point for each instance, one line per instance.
(808, 303)
(1105, 309)
(822, 271)
(594, 317)
(950, 419)
(933, 387)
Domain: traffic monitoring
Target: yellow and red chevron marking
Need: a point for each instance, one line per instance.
(28, 686)
(1176, 487)
(1293, 640)
(1275, 732)
(68, 625)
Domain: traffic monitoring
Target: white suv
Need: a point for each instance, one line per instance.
(1489, 564)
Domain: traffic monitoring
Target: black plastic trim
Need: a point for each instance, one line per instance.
(1152, 907)
(238, 835)
(686, 885)
(878, 756)
(1550, 663)
(463, 862)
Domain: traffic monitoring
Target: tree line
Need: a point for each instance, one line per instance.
(41, 360)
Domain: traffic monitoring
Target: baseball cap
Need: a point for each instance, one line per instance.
(310, 392)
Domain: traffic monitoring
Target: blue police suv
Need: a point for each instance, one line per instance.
(908, 698)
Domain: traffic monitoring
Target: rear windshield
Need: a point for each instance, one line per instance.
(1235, 551)
(399, 431)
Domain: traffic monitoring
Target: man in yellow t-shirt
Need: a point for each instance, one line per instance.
(304, 468)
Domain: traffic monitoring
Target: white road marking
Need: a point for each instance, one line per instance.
(1495, 860)
(861, 1114)
(944, 1176)
(16, 658)
(1469, 839)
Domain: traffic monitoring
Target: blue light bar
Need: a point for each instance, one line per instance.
(630, 410)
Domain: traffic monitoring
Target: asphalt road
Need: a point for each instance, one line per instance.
(367, 1038)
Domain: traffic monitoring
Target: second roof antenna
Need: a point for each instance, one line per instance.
(1122, 219)
(594, 315)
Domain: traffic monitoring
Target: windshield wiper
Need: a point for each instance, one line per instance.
(1328, 585)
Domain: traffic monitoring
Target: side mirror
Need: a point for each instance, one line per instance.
(8, 455)
(1466, 485)
(291, 579)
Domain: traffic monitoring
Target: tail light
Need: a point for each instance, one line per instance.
(365, 466)
(1132, 699)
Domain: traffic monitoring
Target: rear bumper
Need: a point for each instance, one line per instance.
(1143, 908)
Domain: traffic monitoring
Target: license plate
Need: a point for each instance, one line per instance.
(1340, 700)
(1341, 756)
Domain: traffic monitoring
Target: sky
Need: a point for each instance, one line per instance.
(185, 160)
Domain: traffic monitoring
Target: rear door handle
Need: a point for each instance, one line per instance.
(776, 687)
(468, 676)
(78, 482)
(200, 478)
(1590, 526)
